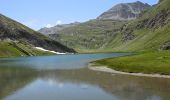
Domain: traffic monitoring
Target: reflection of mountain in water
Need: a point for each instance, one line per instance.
(13, 79)
(121, 86)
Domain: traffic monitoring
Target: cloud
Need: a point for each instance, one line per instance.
(58, 22)
(51, 25)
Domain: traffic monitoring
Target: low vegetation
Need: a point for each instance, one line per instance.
(150, 63)
(91, 36)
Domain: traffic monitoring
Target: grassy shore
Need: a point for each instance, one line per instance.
(149, 63)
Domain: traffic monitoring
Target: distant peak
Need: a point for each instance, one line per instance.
(139, 2)
(125, 11)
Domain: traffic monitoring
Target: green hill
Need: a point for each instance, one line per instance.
(90, 36)
(19, 40)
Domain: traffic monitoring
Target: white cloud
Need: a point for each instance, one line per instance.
(51, 25)
(58, 22)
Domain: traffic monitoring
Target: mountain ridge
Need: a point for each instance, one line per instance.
(55, 29)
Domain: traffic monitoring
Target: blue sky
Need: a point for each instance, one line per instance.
(40, 13)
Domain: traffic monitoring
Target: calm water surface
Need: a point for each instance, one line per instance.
(67, 78)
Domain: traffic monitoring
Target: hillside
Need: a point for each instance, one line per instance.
(19, 40)
(149, 32)
(89, 36)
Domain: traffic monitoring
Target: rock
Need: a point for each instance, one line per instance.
(165, 46)
(124, 11)
(159, 20)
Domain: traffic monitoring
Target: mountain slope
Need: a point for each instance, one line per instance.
(20, 38)
(124, 11)
(150, 32)
(91, 36)
(55, 29)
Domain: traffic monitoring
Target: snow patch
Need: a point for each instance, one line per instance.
(42, 49)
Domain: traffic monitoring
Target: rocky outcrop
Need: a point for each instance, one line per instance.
(165, 46)
(124, 11)
(160, 1)
(159, 20)
(127, 33)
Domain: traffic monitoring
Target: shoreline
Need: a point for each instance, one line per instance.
(109, 70)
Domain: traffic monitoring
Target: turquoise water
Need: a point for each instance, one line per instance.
(67, 77)
(57, 62)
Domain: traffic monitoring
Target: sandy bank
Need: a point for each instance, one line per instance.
(109, 70)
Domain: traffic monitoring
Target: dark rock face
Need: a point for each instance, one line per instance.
(124, 11)
(160, 1)
(165, 46)
(10, 29)
(127, 33)
(159, 20)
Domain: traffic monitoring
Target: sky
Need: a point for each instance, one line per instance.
(47, 13)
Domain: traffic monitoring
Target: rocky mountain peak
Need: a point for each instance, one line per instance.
(124, 11)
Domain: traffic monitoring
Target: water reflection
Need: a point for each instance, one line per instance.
(67, 78)
(12, 79)
(83, 84)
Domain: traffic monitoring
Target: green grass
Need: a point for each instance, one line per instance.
(7, 50)
(11, 49)
(150, 63)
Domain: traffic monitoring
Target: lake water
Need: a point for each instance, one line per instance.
(66, 77)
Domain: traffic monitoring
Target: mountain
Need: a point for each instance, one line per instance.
(124, 11)
(55, 29)
(148, 32)
(17, 39)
